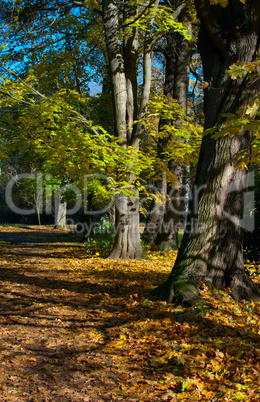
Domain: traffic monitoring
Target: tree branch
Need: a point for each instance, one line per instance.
(16, 99)
(210, 24)
(175, 15)
(140, 15)
(22, 81)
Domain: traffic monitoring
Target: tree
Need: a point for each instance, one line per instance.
(58, 58)
(212, 247)
(162, 226)
(177, 72)
(124, 54)
(60, 40)
(50, 132)
(123, 58)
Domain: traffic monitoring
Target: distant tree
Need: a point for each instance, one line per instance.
(177, 74)
(57, 47)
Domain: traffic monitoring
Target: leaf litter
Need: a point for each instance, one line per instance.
(78, 327)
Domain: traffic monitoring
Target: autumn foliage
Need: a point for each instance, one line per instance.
(77, 327)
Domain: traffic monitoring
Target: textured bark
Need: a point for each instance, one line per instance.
(127, 240)
(155, 217)
(123, 60)
(212, 247)
(167, 235)
(178, 57)
(130, 53)
(149, 43)
(117, 68)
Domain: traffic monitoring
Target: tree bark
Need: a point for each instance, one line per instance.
(127, 239)
(123, 57)
(178, 57)
(167, 235)
(155, 217)
(60, 210)
(212, 247)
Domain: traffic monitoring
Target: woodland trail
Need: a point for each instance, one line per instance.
(36, 234)
(76, 327)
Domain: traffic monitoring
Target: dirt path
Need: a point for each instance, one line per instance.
(36, 234)
(56, 321)
(80, 328)
(39, 316)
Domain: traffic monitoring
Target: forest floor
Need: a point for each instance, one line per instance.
(78, 327)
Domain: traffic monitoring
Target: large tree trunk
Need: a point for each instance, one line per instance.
(212, 248)
(127, 240)
(123, 58)
(123, 69)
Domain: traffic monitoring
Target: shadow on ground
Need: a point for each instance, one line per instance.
(75, 331)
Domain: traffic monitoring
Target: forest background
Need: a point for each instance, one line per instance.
(131, 150)
(134, 125)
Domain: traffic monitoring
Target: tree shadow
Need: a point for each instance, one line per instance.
(36, 236)
(60, 363)
(64, 333)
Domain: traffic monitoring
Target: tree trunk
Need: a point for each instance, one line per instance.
(60, 211)
(167, 235)
(212, 247)
(178, 57)
(127, 239)
(155, 217)
(123, 69)
(85, 224)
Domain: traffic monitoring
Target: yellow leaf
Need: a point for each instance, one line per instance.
(216, 366)
(252, 109)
